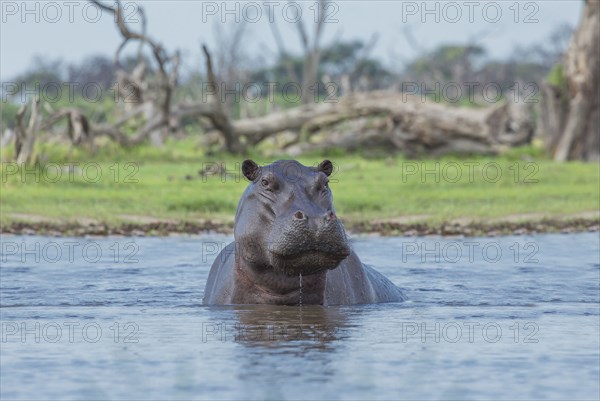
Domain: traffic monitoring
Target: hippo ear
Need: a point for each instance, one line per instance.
(326, 166)
(250, 169)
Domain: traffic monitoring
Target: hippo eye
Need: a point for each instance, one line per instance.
(323, 188)
(264, 182)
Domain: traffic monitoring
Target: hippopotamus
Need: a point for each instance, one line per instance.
(289, 246)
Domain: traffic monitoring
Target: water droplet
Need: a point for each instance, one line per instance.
(300, 296)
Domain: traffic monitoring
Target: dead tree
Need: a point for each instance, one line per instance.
(153, 96)
(229, 62)
(79, 127)
(25, 137)
(217, 113)
(406, 123)
(312, 52)
(147, 98)
(570, 112)
(311, 47)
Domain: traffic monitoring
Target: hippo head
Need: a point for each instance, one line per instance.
(285, 220)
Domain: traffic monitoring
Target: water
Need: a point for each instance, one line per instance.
(503, 318)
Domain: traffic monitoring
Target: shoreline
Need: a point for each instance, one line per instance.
(385, 227)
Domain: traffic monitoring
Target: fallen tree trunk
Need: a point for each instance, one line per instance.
(406, 122)
(390, 120)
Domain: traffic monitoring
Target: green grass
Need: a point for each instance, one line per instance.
(165, 183)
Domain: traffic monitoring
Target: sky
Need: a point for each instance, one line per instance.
(73, 30)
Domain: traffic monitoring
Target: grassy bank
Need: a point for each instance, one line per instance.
(146, 185)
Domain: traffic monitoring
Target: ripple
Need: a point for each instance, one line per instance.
(163, 294)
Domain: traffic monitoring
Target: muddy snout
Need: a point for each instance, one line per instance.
(322, 228)
(316, 222)
(316, 237)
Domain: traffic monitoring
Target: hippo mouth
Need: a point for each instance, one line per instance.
(309, 261)
(338, 255)
(301, 248)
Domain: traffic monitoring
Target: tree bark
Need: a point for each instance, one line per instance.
(570, 111)
(408, 123)
(25, 137)
(218, 115)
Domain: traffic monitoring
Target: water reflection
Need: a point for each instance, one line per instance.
(280, 327)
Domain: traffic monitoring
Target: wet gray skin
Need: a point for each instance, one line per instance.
(290, 248)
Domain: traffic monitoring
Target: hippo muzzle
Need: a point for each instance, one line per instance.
(307, 244)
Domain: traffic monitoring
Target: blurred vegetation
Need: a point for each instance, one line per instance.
(344, 66)
(168, 184)
(556, 77)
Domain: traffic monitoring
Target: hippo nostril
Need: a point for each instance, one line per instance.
(299, 215)
(330, 216)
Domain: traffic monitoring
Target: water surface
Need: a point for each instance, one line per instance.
(121, 318)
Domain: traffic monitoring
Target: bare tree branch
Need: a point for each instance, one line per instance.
(283, 54)
(219, 116)
(158, 107)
